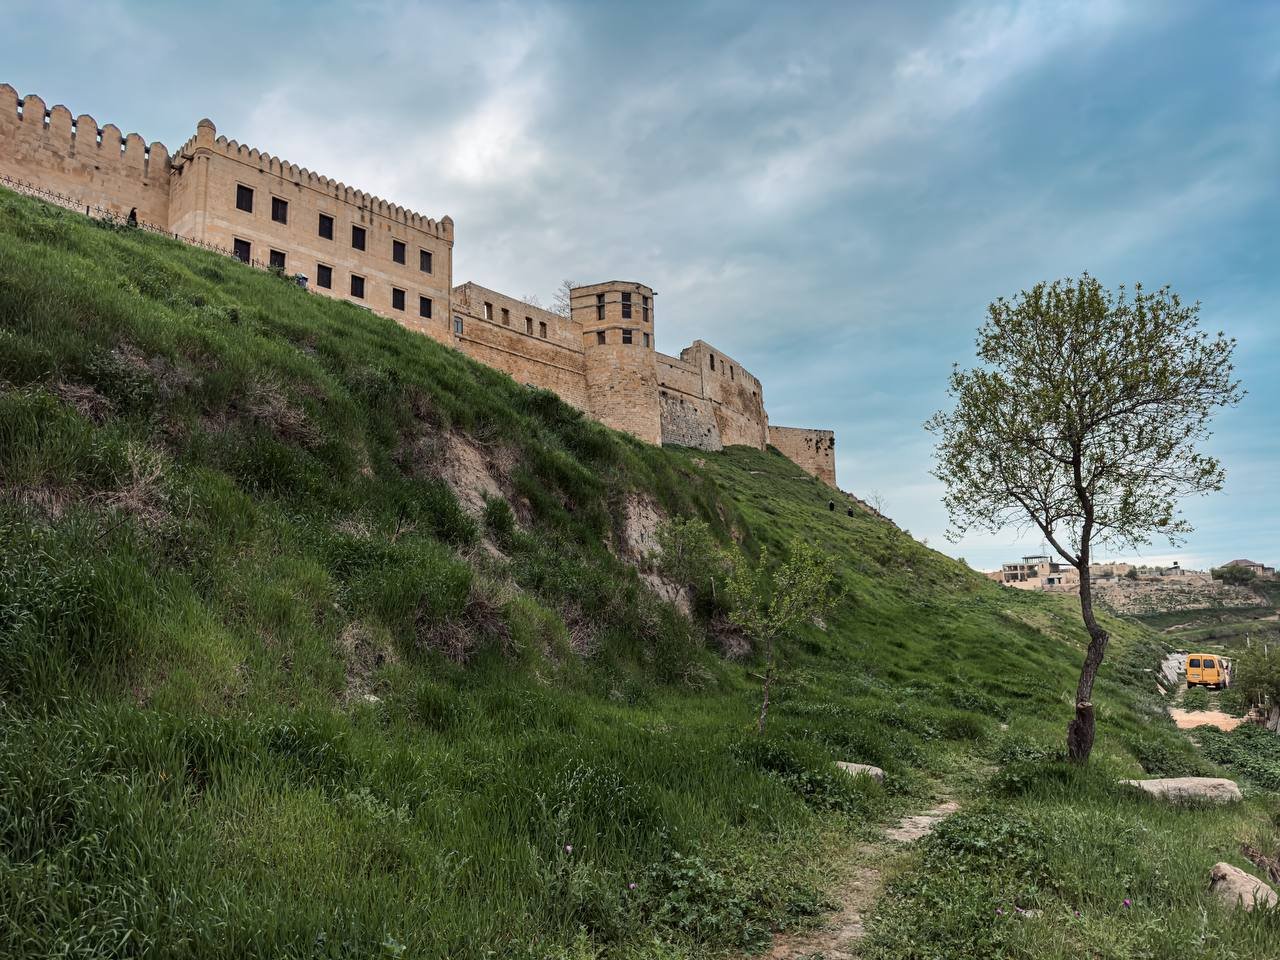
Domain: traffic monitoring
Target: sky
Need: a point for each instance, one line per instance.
(831, 193)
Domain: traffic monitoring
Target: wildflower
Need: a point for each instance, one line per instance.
(999, 911)
(568, 848)
(631, 886)
(1077, 913)
(1127, 903)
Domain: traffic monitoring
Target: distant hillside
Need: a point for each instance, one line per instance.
(318, 639)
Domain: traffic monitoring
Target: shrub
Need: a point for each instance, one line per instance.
(1196, 699)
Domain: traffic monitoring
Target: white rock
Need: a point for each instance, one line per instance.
(1235, 888)
(1178, 789)
(371, 698)
(861, 770)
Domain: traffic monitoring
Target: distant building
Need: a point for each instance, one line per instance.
(1259, 569)
(1037, 572)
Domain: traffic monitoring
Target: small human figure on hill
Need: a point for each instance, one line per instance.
(133, 217)
(849, 511)
(831, 505)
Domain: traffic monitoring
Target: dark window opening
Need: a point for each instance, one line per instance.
(626, 306)
(528, 325)
(326, 227)
(276, 259)
(357, 286)
(244, 198)
(397, 299)
(424, 261)
(424, 306)
(243, 250)
(488, 310)
(731, 372)
(713, 360)
(1208, 664)
(600, 337)
(626, 336)
(357, 237)
(397, 251)
(646, 339)
(457, 325)
(599, 306)
(506, 317)
(324, 276)
(1193, 662)
(542, 329)
(279, 210)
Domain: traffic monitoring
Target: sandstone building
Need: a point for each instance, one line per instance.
(601, 358)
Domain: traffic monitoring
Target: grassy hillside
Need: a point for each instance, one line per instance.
(268, 688)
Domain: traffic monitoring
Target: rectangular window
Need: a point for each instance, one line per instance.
(424, 307)
(244, 198)
(324, 276)
(488, 311)
(600, 337)
(424, 261)
(279, 210)
(730, 371)
(542, 330)
(646, 339)
(277, 259)
(243, 251)
(713, 360)
(599, 306)
(626, 336)
(626, 306)
(397, 299)
(457, 325)
(357, 286)
(326, 227)
(397, 251)
(357, 237)
(528, 325)
(506, 317)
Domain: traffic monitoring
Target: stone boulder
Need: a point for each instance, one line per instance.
(1235, 888)
(1184, 789)
(861, 770)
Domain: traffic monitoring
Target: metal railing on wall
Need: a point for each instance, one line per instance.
(107, 215)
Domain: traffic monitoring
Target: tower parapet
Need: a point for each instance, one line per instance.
(617, 319)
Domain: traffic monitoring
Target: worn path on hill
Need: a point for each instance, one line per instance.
(839, 938)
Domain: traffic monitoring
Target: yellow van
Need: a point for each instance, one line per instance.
(1207, 670)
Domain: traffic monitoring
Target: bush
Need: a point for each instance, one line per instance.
(1196, 698)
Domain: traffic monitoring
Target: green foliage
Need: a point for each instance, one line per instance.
(690, 555)
(1249, 750)
(1235, 576)
(1196, 698)
(1257, 673)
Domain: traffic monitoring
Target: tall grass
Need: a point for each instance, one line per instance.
(268, 689)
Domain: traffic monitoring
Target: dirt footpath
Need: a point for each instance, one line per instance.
(1187, 719)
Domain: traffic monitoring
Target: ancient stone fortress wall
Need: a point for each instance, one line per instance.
(398, 263)
(535, 346)
(814, 451)
(617, 343)
(347, 243)
(76, 157)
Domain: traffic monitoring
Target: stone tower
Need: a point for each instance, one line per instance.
(621, 368)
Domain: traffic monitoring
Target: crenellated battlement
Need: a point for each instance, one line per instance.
(207, 138)
(80, 158)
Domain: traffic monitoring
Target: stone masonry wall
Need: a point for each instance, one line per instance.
(812, 450)
(622, 378)
(553, 362)
(74, 157)
(209, 169)
(736, 396)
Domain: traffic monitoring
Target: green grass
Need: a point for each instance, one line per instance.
(267, 689)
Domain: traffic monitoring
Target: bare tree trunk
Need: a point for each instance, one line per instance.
(1080, 730)
(768, 685)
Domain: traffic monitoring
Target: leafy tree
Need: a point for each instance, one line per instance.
(1131, 573)
(770, 603)
(689, 554)
(1084, 420)
(1257, 673)
(1235, 576)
